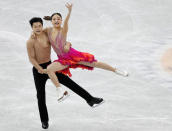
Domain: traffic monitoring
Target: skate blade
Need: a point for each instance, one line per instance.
(124, 75)
(96, 105)
(63, 98)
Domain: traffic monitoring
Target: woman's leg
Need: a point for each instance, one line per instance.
(98, 65)
(52, 69)
(105, 67)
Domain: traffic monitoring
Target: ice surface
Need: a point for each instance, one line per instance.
(130, 34)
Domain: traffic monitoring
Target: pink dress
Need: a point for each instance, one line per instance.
(72, 57)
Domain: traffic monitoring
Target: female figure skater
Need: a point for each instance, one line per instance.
(68, 57)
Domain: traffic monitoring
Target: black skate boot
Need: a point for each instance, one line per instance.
(96, 102)
(45, 125)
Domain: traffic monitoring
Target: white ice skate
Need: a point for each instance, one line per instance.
(61, 94)
(122, 73)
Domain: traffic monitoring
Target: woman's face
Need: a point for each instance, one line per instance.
(56, 21)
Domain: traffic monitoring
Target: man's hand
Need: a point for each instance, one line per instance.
(45, 71)
(42, 71)
(67, 47)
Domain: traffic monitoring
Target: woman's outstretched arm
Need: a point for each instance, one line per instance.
(65, 26)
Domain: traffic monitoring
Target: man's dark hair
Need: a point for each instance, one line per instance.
(35, 19)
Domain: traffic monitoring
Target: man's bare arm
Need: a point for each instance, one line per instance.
(46, 30)
(31, 55)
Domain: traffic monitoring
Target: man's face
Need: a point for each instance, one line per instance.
(37, 28)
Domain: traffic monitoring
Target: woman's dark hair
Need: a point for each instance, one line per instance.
(35, 19)
(50, 17)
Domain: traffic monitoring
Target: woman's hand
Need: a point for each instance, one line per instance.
(69, 6)
(67, 47)
(33, 35)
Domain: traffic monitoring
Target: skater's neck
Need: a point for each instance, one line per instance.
(57, 28)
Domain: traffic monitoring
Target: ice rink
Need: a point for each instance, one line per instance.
(129, 34)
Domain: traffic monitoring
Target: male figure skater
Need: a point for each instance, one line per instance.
(39, 51)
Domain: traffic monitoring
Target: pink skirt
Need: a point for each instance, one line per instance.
(72, 58)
